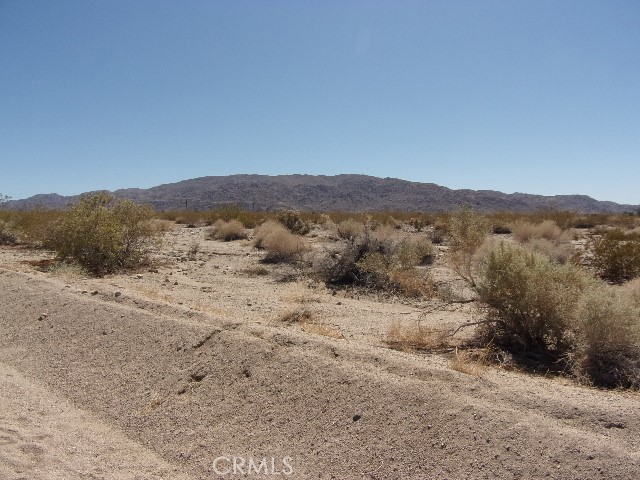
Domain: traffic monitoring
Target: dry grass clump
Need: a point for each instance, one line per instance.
(469, 362)
(307, 319)
(280, 244)
(296, 315)
(322, 329)
(559, 317)
(227, 231)
(415, 337)
(526, 231)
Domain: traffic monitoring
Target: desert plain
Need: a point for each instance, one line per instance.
(210, 360)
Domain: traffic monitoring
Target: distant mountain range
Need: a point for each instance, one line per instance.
(327, 193)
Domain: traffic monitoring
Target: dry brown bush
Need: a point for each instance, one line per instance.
(227, 231)
(265, 229)
(281, 245)
(349, 229)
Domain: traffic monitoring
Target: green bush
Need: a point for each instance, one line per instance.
(534, 299)
(561, 316)
(616, 255)
(104, 235)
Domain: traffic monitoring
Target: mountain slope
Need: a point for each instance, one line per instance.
(340, 192)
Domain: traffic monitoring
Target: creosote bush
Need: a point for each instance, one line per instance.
(227, 231)
(104, 235)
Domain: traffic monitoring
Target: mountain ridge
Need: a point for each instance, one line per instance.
(346, 192)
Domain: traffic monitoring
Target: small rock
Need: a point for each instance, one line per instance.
(95, 292)
(357, 417)
(117, 294)
(84, 291)
(339, 303)
(139, 276)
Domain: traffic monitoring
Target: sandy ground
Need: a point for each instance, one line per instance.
(160, 373)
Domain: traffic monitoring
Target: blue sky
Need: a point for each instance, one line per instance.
(529, 96)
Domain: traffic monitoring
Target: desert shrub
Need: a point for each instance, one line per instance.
(547, 229)
(438, 233)
(293, 222)
(419, 223)
(616, 255)
(608, 352)
(415, 251)
(264, 230)
(103, 235)
(349, 229)
(559, 252)
(381, 260)
(468, 230)
(533, 299)
(7, 234)
(32, 226)
(280, 244)
(227, 231)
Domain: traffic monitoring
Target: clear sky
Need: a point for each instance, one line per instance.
(530, 96)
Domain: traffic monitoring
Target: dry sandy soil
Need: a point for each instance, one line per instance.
(158, 374)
